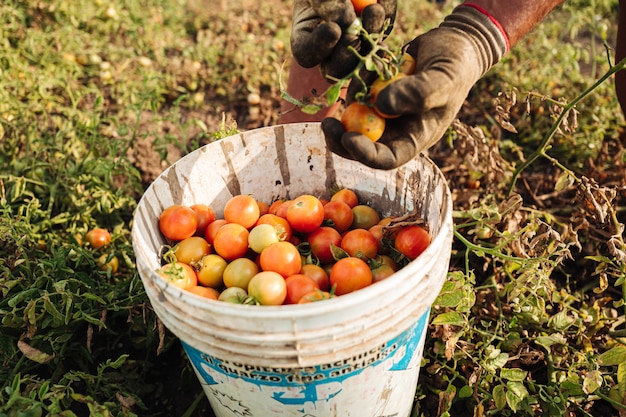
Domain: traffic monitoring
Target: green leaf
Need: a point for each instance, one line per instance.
(466, 391)
(334, 92)
(565, 180)
(515, 394)
(310, 108)
(513, 374)
(499, 396)
(451, 318)
(614, 356)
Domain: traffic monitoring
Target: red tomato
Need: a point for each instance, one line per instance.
(315, 295)
(205, 216)
(191, 249)
(212, 229)
(411, 241)
(231, 241)
(280, 224)
(306, 213)
(346, 195)
(242, 209)
(268, 288)
(281, 257)
(281, 210)
(179, 274)
(178, 222)
(321, 240)
(338, 214)
(98, 237)
(364, 217)
(350, 274)
(298, 285)
(360, 243)
(318, 274)
(205, 292)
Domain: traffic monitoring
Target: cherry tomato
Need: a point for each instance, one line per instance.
(306, 213)
(346, 195)
(338, 214)
(350, 274)
(280, 224)
(360, 243)
(205, 292)
(179, 274)
(411, 241)
(384, 267)
(297, 286)
(231, 241)
(263, 235)
(178, 222)
(321, 240)
(242, 209)
(98, 237)
(364, 217)
(361, 118)
(205, 216)
(212, 229)
(281, 257)
(359, 5)
(379, 85)
(239, 272)
(191, 249)
(211, 270)
(108, 263)
(315, 295)
(318, 274)
(268, 288)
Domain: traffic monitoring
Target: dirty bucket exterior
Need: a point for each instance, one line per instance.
(354, 355)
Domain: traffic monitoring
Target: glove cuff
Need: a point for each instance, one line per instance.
(485, 31)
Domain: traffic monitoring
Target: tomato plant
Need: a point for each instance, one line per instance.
(281, 257)
(306, 213)
(268, 288)
(321, 240)
(242, 209)
(338, 214)
(298, 285)
(205, 216)
(98, 237)
(191, 249)
(350, 274)
(411, 241)
(364, 217)
(239, 272)
(211, 270)
(361, 118)
(359, 243)
(178, 222)
(231, 241)
(179, 274)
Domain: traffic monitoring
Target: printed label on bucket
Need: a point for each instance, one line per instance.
(378, 383)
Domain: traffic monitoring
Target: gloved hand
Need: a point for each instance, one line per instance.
(318, 35)
(449, 61)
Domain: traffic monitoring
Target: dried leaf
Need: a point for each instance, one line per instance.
(34, 354)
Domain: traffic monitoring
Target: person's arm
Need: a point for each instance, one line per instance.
(620, 53)
(517, 17)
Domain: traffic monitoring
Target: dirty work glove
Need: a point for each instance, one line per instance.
(318, 35)
(449, 61)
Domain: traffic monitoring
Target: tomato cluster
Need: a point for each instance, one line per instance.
(291, 251)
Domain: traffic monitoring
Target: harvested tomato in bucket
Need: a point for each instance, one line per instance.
(357, 354)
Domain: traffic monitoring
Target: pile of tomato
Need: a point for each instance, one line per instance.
(291, 251)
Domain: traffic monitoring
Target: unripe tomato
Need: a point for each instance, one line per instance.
(282, 226)
(361, 118)
(364, 217)
(108, 263)
(239, 272)
(98, 237)
(211, 270)
(179, 274)
(233, 295)
(191, 249)
(178, 222)
(268, 288)
(261, 236)
(411, 241)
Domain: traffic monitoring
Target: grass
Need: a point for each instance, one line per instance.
(97, 98)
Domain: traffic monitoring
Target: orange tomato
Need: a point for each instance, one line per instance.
(378, 86)
(359, 5)
(361, 118)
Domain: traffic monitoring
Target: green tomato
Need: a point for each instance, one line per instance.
(239, 272)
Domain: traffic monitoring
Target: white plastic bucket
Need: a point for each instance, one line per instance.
(355, 355)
